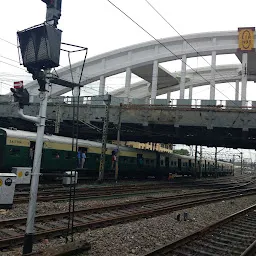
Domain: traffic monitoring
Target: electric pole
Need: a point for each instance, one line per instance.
(215, 163)
(196, 161)
(118, 142)
(28, 239)
(41, 70)
(104, 139)
(241, 162)
(201, 156)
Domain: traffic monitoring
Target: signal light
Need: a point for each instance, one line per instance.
(20, 94)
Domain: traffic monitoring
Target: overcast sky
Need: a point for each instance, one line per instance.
(97, 25)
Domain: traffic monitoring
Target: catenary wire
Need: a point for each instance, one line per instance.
(166, 48)
(111, 78)
(187, 42)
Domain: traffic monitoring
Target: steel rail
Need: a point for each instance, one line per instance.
(100, 217)
(217, 237)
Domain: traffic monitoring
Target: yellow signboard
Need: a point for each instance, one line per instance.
(17, 142)
(246, 39)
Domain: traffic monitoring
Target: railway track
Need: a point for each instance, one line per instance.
(24, 189)
(55, 224)
(234, 235)
(85, 193)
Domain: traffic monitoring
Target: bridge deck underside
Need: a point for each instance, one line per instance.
(227, 128)
(165, 79)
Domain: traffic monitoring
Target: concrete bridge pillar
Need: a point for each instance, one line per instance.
(128, 76)
(237, 90)
(213, 71)
(190, 92)
(244, 78)
(183, 76)
(183, 72)
(102, 85)
(168, 98)
(154, 82)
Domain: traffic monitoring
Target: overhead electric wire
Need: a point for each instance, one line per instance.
(12, 65)
(188, 43)
(8, 42)
(24, 69)
(166, 47)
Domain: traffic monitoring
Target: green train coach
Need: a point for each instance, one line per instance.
(57, 156)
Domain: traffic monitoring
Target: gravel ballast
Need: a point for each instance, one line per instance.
(141, 236)
(20, 210)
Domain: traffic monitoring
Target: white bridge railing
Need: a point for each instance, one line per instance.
(115, 101)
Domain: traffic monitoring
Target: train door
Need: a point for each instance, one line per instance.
(167, 162)
(179, 165)
(83, 157)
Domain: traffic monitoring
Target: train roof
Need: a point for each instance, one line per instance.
(65, 140)
(84, 143)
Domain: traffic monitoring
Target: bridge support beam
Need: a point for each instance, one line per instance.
(190, 92)
(168, 98)
(127, 85)
(213, 71)
(154, 82)
(183, 76)
(244, 78)
(102, 85)
(237, 90)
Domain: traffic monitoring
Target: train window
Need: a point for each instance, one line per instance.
(175, 163)
(171, 162)
(55, 155)
(68, 155)
(14, 151)
(162, 162)
(203, 165)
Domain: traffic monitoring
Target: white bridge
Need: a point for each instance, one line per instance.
(144, 60)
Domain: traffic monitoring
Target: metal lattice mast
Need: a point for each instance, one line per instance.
(104, 139)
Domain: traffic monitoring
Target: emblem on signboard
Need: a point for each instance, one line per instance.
(246, 39)
(8, 182)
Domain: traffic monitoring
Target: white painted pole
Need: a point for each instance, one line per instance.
(213, 72)
(237, 90)
(244, 78)
(154, 82)
(102, 85)
(28, 240)
(190, 92)
(183, 76)
(168, 98)
(127, 85)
